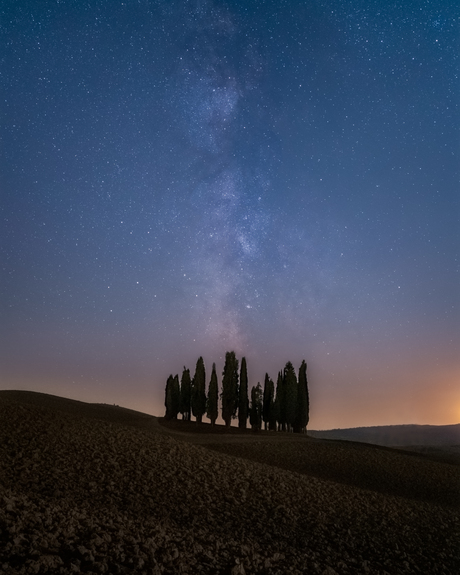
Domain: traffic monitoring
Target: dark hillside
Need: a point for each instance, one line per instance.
(98, 489)
(101, 411)
(384, 470)
(414, 475)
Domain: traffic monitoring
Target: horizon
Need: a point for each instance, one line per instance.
(234, 422)
(188, 178)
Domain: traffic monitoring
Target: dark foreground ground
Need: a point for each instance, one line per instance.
(100, 489)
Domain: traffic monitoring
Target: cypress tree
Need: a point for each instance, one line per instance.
(199, 391)
(168, 397)
(213, 394)
(290, 385)
(303, 400)
(308, 400)
(255, 412)
(273, 417)
(176, 395)
(280, 402)
(268, 402)
(243, 401)
(172, 397)
(229, 388)
(185, 394)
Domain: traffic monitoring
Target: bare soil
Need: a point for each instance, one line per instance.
(101, 489)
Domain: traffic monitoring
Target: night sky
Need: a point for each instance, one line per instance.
(278, 178)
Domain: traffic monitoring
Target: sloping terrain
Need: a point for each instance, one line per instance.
(100, 489)
(410, 474)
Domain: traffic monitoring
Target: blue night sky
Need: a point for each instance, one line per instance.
(278, 178)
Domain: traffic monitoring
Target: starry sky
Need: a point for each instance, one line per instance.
(278, 178)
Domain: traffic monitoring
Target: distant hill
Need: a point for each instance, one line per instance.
(397, 435)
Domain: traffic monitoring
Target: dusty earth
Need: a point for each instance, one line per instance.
(100, 489)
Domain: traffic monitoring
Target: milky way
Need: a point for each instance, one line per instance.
(278, 178)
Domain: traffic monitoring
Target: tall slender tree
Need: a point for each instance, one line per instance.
(199, 391)
(243, 401)
(273, 417)
(229, 388)
(176, 388)
(213, 394)
(290, 385)
(255, 412)
(168, 397)
(185, 394)
(172, 397)
(303, 400)
(268, 401)
(280, 402)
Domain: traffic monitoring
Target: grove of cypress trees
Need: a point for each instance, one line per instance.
(199, 391)
(286, 409)
(268, 402)
(172, 397)
(229, 388)
(290, 385)
(185, 394)
(303, 400)
(213, 394)
(243, 401)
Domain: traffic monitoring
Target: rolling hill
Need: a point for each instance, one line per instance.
(398, 435)
(101, 489)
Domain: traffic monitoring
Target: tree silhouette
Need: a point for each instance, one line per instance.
(290, 386)
(243, 401)
(280, 402)
(185, 394)
(268, 403)
(229, 388)
(287, 409)
(199, 391)
(255, 412)
(168, 397)
(213, 394)
(172, 397)
(303, 400)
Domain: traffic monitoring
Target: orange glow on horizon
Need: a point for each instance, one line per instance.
(431, 397)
